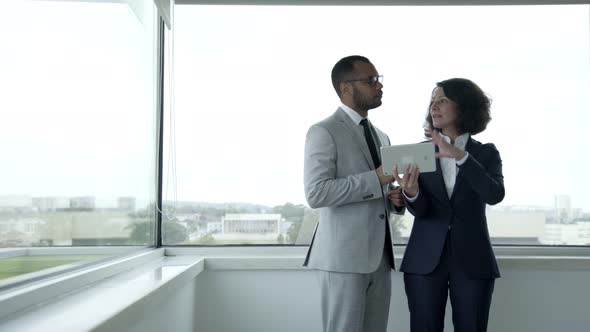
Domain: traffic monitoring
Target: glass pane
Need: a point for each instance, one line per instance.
(23, 265)
(78, 140)
(247, 91)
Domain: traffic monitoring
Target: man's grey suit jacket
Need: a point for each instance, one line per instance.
(340, 180)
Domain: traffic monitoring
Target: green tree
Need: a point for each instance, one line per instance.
(310, 220)
(290, 212)
(172, 232)
(142, 232)
(206, 239)
(293, 232)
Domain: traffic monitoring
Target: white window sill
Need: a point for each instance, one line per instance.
(92, 306)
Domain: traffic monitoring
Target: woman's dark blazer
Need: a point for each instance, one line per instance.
(479, 181)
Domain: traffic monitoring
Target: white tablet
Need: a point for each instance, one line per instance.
(421, 154)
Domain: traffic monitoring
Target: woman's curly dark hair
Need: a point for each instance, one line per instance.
(473, 105)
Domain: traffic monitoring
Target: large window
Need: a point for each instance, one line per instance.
(250, 80)
(78, 82)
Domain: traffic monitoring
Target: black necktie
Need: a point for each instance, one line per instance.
(371, 143)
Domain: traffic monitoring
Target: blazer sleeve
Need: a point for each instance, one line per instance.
(420, 206)
(322, 186)
(485, 179)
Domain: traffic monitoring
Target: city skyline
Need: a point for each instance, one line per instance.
(106, 202)
(81, 223)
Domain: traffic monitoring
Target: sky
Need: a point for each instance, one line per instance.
(78, 94)
(78, 100)
(250, 81)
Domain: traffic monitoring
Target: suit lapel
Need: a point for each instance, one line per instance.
(469, 147)
(347, 123)
(378, 140)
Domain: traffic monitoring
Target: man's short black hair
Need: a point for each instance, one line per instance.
(344, 69)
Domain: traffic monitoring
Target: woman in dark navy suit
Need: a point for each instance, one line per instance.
(449, 253)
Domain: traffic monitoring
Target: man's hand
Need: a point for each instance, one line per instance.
(383, 179)
(395, 197)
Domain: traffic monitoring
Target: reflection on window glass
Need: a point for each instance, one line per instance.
(23, 265)
(78, 141)
(247, 90)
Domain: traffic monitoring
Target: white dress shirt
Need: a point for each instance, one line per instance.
(449, 166)
(352, 114)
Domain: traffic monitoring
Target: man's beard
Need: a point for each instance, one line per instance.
(363, 102)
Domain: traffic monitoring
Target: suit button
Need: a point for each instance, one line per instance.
(382, 216)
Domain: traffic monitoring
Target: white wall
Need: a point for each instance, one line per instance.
(541, 301)
(246, 295)
(524, 300)
(258, 301)
(175, 313)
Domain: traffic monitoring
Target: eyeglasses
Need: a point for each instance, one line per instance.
(371, 80)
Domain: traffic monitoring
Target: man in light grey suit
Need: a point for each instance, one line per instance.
(343, 177)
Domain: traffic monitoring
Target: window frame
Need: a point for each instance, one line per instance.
(518, 248)
(117, 252)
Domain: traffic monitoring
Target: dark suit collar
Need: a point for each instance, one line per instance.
(472, 147)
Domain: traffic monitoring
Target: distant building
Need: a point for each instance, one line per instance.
(126, 203)
(16, 202)
(505, 225)
(563, 208)
(44, 204)
(83, 203)
(247, 227)
(568, 234)
(251, 223)
(64, 221)
(20, 232)
(214, 227)
(516, 227)
(86, 227)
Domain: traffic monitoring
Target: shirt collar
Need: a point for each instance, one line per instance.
(460, 141)
(352, 114)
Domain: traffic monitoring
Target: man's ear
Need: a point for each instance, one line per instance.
(344, 88)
